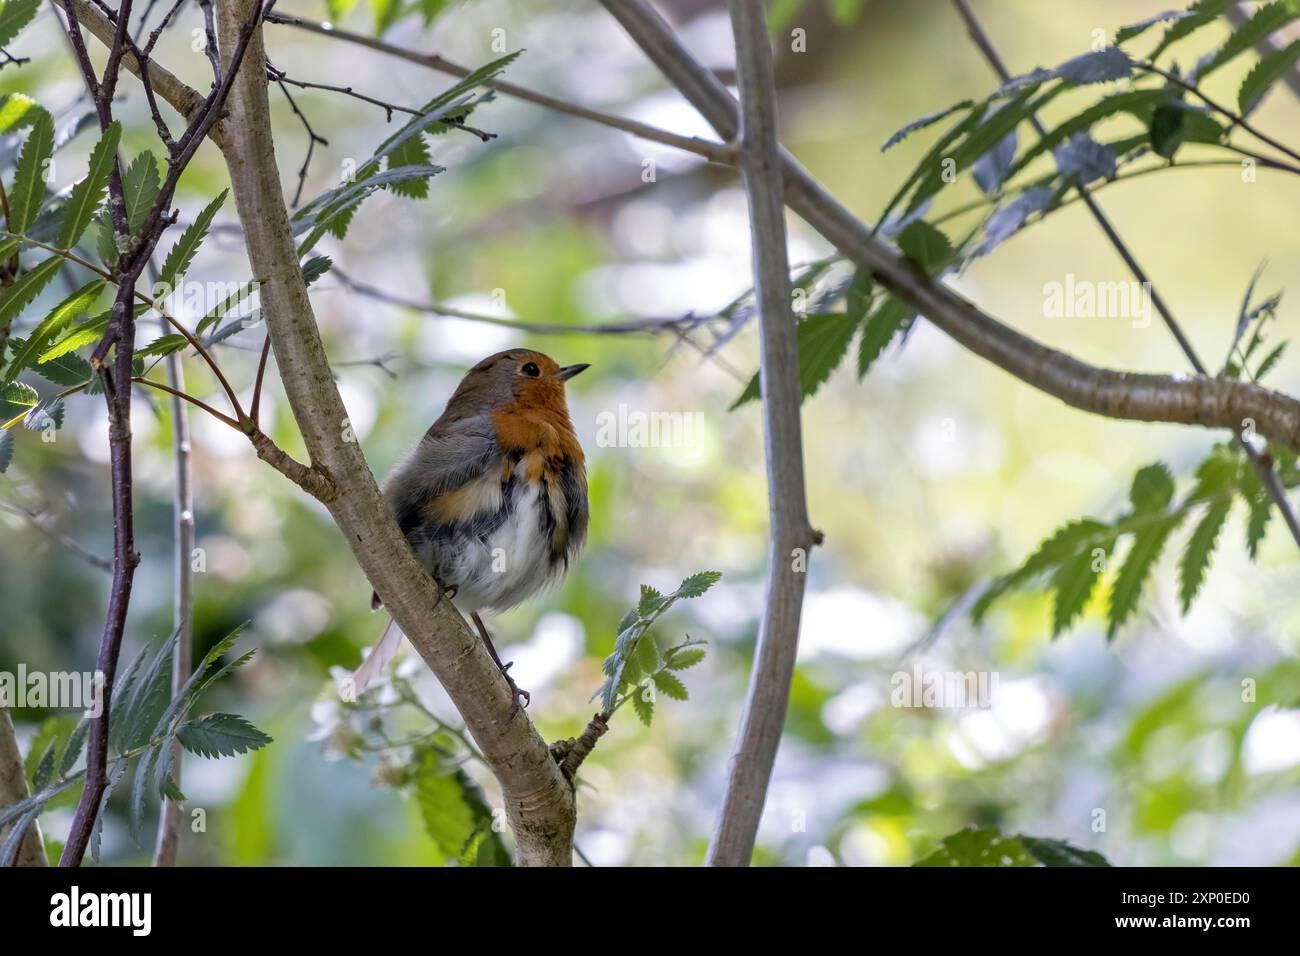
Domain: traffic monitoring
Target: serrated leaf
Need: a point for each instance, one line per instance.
(1196, 559)
(14, 15)
(1148, 541)
(139, 706)
(932, 158)
(697, 584)
(68, 370)
(684, 658)
(1266, 21)
(885, 322)
(823, 341)
(1270, 360)
(28, 190)
(1265, 73)
(413, 152)
(73, 307)
(1066, 542)
(14, 838)
(925, 245)
(1153, 488)
(241, 295)
(1198, 15)
(182, 253)
(670, 686)
(87, 195)
(16, 399)
(923, 122)
(162, 346)
(1073, 583)
(647, 655)
(23, 292)
(115, 774)
(643, 703)
(1126, 102)
(651, 600)
(45, 413)
(1124, 34)
(140, 186)
(220, 735)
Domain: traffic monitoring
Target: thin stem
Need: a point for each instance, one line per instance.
(1263, 468)
(1236, 118)
(257, 385)
(199, 403)
(712, 151)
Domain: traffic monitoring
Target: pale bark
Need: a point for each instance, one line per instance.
(539, 801)
(791, 536)
(13, 789)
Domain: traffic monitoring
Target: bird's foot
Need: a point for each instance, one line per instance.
(516, 691)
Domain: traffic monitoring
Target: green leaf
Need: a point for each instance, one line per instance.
(890, 317)
(1261, 509)
(647, 654)
(1148, 541)
(1153, 488)
(1196, 559)
(1127, 102)
(73, 307)
(16, 399)
(651, 601)
(987, 846)
(925, 245)
(140, 187)
(1270, 360)
(182, 254)
(643, 702)
(164, 345)
(87, 195)
(220, 735)
(697, 584)
(670, 686)
(1064, 544)
(1265, 73)
(137, 708)
(823, 340)
(1124, 34)
(14, 15)
(28, 191)
(1174, 123)
(413, 152)
(23, 292)
(923, 122)
(933, 157)
(242, 294)
(1073, 583)
(1266, 21)
(1201, 13)
(683, 659)
(6, 450)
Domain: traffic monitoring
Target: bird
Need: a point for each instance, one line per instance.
(493, 499)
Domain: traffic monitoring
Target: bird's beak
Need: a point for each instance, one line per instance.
(569, 371)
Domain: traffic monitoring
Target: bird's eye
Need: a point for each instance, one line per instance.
(530, 369)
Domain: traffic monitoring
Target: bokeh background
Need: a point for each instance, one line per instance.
(935, 472)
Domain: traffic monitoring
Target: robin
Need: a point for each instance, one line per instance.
(494, 498)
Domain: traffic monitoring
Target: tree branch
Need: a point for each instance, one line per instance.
(1189, 400)
(1263, 468)
(13, 789)
(792, 536)
(539, 800)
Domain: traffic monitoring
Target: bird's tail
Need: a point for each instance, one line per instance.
(383, 652)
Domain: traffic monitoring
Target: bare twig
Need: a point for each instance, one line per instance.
(169, 821)
(41, 523)
(792, 536)
(312, 140)
(715, 152)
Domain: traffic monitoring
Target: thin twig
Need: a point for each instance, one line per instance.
(41, 523)
(1262, 467)
(712, 151)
